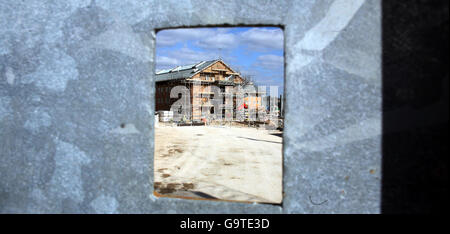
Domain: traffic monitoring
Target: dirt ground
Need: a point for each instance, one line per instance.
(227, 163)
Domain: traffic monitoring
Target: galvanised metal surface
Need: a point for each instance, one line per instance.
(76, 103)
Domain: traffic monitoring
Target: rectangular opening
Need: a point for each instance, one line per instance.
(219, 114)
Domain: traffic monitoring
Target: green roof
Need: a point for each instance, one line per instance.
(182, 72)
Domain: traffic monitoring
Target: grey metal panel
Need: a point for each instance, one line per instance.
(77, 103)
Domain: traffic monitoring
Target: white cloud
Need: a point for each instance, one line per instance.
(270, 61)
(173, 36)
(263, 39)
(188, 55)
(182, 56)
(203, 37)
(164, 61)
(256, 39)
(218, 41)
(266, 69)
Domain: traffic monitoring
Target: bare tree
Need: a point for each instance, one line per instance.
(247, 79)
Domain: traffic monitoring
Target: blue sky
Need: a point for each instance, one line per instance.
(252, 51)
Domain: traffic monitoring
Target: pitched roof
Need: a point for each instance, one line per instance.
(181, 72)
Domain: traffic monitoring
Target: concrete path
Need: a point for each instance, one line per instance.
(228, 163)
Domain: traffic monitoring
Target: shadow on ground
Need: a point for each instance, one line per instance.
(415, 107)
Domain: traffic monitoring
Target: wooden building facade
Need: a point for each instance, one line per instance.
(199, 79)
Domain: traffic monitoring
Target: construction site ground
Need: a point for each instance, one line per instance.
(234, 163)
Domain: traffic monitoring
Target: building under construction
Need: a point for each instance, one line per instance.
(199, 79)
